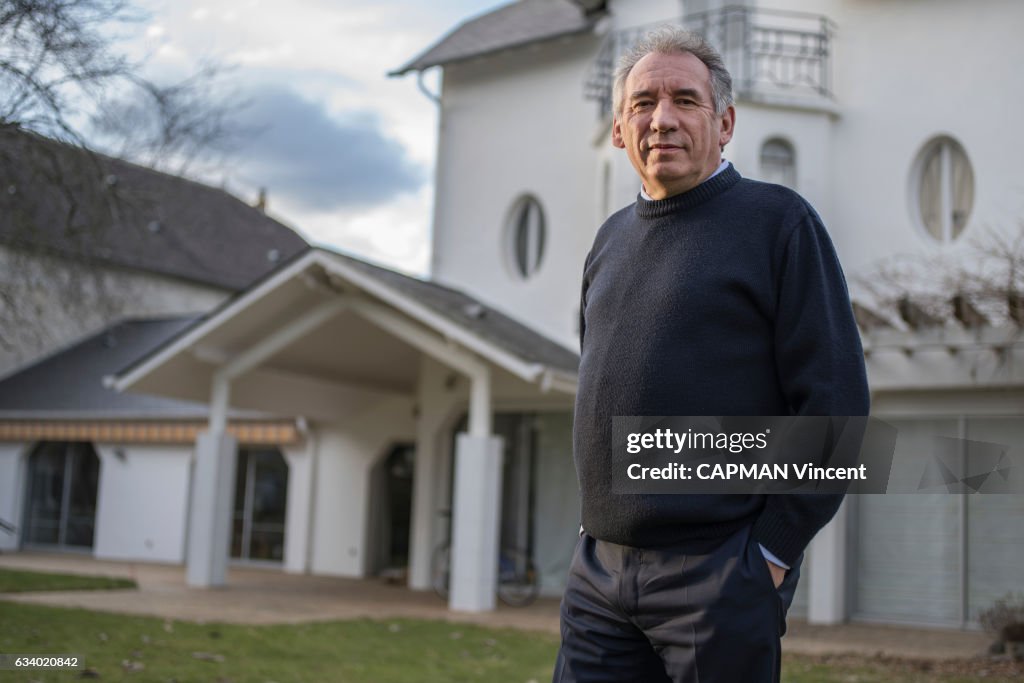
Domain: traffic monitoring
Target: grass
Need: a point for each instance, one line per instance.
(346, 651)
(146, 649)
(13, 581)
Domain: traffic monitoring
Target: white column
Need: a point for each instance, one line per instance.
(433, 404)
(826, 559)
(298, 522)
(209, 526)
(476, 506)
(475, 523)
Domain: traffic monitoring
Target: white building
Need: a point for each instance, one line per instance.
(867, 108)
(892, 118)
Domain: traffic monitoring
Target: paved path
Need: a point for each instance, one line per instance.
(265, 596)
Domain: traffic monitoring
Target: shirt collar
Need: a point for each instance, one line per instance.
(721, 167)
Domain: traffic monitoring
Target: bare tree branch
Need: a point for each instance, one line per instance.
(988, 277)
(62, 79)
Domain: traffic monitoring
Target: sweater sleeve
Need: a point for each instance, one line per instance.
(583, 300)
(820, 364)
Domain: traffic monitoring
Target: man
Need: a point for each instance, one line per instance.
(711, 295)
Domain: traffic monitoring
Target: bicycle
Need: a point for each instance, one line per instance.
(518, 579)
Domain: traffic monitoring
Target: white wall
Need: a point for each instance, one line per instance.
(629, 13)
(142, 502)
(12, 484)
(510, 125)
(346, 452)
(49, 315)
(905, 72)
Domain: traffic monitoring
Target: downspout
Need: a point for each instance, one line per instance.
(433, 97)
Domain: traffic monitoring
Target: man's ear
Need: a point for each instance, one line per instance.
(728, 126)
(617, 134)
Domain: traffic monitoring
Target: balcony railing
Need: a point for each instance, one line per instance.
(768, 52)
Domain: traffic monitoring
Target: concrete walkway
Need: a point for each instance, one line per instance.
(266, 596)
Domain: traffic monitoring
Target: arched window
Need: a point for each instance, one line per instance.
(526, 233)
(778, 162)
(942, 189)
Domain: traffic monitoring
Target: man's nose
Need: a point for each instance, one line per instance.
(664, 119)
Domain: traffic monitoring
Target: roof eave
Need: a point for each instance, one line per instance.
(416, 65)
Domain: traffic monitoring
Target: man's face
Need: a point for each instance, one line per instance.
(668, 125)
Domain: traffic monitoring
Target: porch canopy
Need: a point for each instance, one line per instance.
(328, 336)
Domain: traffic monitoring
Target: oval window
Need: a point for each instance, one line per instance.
(942, 189)
(526, 236)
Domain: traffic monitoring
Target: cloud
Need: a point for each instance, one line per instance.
(320, 162)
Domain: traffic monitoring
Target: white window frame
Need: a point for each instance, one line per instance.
(946, 144)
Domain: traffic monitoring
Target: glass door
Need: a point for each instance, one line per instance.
(63, 481)
(261, 494)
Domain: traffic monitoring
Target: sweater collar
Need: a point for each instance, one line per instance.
(713, 186)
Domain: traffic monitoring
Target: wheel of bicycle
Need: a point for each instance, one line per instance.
(440, 569)
(518, 581)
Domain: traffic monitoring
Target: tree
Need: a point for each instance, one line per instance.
(63, 88)
(61, 76)
(982, 283)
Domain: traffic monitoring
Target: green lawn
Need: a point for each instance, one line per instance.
(349, 651)
(143, 649)
(13, 581)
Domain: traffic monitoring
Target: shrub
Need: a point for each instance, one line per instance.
(1005, 618)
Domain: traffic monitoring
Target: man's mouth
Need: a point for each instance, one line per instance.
(665, 145)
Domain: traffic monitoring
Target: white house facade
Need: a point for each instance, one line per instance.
(892, 118)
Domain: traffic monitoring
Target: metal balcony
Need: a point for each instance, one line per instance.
(770, 53)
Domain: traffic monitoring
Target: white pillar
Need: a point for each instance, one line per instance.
(433, 404)
(209, 527)
(476, 505)
(298, 521)
(424, 509)
(826, 559)
(475, 523)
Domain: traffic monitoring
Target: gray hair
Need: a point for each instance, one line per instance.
(669, 40)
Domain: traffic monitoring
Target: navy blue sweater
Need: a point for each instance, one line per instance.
(727, 299)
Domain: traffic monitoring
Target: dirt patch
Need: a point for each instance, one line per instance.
(977, 667)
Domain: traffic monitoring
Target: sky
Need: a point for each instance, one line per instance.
(346, 154)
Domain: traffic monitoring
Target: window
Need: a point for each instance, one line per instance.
(526, 236)
(942, 189)
(778, 163)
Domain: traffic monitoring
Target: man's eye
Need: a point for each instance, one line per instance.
(641, 105)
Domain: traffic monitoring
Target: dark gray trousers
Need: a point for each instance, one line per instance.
(703, 611)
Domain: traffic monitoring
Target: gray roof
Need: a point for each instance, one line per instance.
(474, 315)
(462, 309)
(61, 200)
(69, 383)
(514, 25)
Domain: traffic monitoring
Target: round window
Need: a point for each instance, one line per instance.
(526, 232)
(942, 189)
